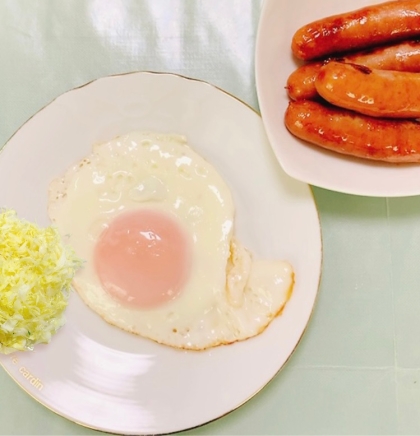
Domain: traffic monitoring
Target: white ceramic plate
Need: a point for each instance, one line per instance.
(274, 62)
(107, 379)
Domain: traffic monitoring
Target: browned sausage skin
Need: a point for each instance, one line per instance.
(301, 83)
(403, 56)
(349, 133)
(362, 28)
(378, 93)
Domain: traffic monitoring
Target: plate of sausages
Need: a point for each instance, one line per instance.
(339, 93)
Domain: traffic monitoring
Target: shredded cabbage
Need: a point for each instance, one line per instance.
(36, 270)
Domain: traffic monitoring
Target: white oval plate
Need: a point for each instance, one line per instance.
(107, 379)
(274, 62)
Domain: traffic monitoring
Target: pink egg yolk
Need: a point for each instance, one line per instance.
(143, 258)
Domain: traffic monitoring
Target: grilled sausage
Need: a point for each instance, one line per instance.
(373, 92)
(359, 29)
(349, 133)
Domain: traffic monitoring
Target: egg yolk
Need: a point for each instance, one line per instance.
(143, 258)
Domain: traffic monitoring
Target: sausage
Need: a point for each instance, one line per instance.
(366, 27)
(349, 133)
(403, 56)
(378, 93)
(301, 83)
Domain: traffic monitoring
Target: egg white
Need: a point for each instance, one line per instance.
(228, 296)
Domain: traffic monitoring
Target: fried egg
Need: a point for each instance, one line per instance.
(154, 222)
